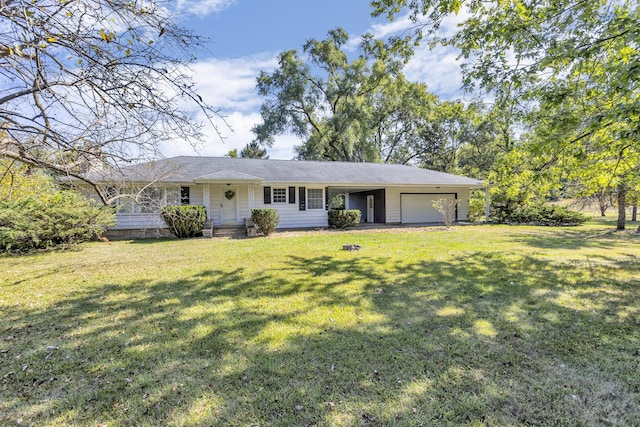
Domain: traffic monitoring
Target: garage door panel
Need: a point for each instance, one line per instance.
(417, 208)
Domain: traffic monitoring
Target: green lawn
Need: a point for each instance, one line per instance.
(480, 325)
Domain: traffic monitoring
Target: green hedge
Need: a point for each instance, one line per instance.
(340, 218)
(266, 220)
(539, 214)
(184, 221)
(59, 219)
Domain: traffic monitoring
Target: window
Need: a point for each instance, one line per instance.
(315, 199)
(148, 200)
(173, 197)
(279, 195)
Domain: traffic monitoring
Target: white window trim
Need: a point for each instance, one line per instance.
(273, 195)
(321, 200)
(136, 203)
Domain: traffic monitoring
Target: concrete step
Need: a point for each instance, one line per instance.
(229, 231)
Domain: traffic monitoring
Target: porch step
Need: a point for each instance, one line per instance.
(229, 231)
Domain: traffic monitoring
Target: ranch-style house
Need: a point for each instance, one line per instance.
(299, 190)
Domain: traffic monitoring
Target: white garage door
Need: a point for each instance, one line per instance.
(416, 208)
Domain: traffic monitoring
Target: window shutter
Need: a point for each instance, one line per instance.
(184, 195)
(267, 195)
(302, 200)
(326, 198)
(292, 195)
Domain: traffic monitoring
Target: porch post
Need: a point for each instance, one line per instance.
(487, 207)
(251, 195)
(206, 199)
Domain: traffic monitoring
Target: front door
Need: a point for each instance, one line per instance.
(370, 211)
(229, 205)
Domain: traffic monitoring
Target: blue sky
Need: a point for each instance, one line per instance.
(247, 35)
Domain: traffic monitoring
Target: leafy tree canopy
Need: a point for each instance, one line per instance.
(321, 99)
(568, 69)
(364, 109)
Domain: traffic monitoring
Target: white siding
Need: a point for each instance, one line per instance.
(216, 193)
(290, 214)
(195, 195)
(393, 200)
(243, 202)
(138, 221)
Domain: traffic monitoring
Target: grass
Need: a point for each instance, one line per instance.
(481, 325)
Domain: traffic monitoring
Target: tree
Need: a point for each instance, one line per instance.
(232, 153)
(408, 125)
(447, 208)
(362, 109)
(253, 150)
(93, 82)
(323, 100)
(570, 69)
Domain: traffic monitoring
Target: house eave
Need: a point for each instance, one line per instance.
(369, 184)
(226, 181)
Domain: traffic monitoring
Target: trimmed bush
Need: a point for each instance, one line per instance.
(340, 218)
(540, 214)
(266, 220)
(59, 219)
(184, 221)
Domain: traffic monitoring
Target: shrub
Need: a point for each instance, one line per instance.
(340, 218)
(57, 219)
(266, 220)
(447, 208)
(184, 221)
(540, 214)
(476, 206)
(336, 201)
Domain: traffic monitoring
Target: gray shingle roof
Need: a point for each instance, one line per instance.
(190, 168)
(228, 175)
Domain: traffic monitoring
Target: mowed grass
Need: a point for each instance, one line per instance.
(480, 325)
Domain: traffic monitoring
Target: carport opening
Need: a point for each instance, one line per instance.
(370, 202)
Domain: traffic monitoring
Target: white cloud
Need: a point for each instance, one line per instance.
(382, 30)
(229, 84)
(400, 25)
(439, 68)
(203, 7)
(241, 123)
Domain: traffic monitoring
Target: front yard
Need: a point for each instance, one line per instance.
(481, 325)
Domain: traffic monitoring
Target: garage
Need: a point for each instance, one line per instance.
(418, 208)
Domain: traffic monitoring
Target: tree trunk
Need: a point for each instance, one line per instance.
(634, 212)
(622, 200)
(602, 204)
